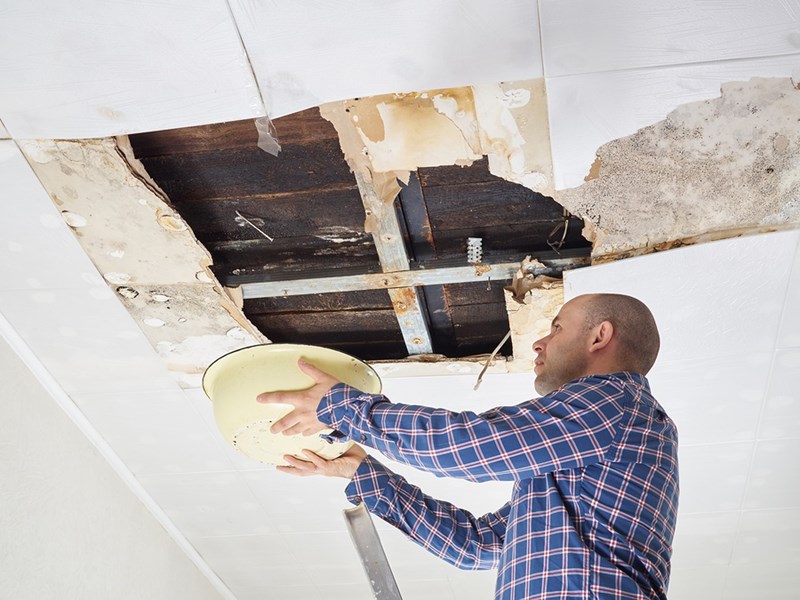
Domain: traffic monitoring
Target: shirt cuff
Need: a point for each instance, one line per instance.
(333, 407)
(369, 485)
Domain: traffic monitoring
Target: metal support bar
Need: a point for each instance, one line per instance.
(394, 257)
(401, 279)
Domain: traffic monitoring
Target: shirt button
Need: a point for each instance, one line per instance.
(363, 439)
(357, 499)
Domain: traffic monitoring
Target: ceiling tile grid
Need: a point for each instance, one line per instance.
(156, 432)
(109, 68)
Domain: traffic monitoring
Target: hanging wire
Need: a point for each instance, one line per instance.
(556, 246)
(490, 359)
(253, 225)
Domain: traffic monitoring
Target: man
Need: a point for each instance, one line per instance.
(594, 462)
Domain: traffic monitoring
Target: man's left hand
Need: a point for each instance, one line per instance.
(303, 419)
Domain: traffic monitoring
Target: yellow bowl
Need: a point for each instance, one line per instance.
(233, 381)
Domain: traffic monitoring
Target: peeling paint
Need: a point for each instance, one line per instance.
(710, 170)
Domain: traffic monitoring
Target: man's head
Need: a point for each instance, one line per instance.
(596, 334)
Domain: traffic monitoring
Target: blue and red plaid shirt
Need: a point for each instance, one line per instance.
(595, 496)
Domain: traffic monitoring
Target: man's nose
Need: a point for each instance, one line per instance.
(539, 345)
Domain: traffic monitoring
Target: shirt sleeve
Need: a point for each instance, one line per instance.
(451, 533)
(569, 428)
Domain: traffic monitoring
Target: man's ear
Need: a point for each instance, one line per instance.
(602, 336)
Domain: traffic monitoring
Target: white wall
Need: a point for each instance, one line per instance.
(69, 526)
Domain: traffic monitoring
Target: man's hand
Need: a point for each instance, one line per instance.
(303, 419)
(343, 466)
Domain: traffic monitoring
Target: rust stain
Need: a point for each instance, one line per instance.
(481, 269)
(404, 299)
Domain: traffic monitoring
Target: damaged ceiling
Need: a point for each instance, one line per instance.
(298, 222)
(406, 129)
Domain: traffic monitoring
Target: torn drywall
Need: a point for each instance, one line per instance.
(711, 169)
(532, 303)
(390, 135)
(145, 252)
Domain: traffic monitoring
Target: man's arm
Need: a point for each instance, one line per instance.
(567, 429)
(451, 533)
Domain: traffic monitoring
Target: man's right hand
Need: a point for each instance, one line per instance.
(344, 466)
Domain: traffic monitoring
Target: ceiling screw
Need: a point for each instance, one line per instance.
(416, 341)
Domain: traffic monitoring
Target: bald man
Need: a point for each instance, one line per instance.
(593, 461)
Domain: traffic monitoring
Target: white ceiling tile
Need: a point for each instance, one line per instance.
(697, 584)
(300, 504)
(107, 68)
(254, 563)
(427, 589)
(781, 414)
(775, 479)
(155, 432)
(334, 550)
(37, 248)
(589, 110)
(86, 339)
(770, 582)
(713, 477)
(348, 591)
(789, 336)
(704, 540)
(710, 300)
(769, 537)
(585, 36)
(208, 504)
(357, 48)
(709, 400)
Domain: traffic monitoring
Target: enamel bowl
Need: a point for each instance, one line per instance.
(233, 381)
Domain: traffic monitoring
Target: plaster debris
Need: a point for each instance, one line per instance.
(156, 266)
(117, 278)
(127, 292)
(74, 220)
(710, 170)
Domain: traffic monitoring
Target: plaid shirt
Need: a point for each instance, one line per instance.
(595, 495)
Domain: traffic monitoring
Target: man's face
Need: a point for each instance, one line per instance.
(563, 355)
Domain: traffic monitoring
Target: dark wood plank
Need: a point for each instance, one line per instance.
(335, 302)
(250, 171)
(330, 327)
(521, 238)
(496, 203)
(477, 172)
(304, 127)
(331, 216)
